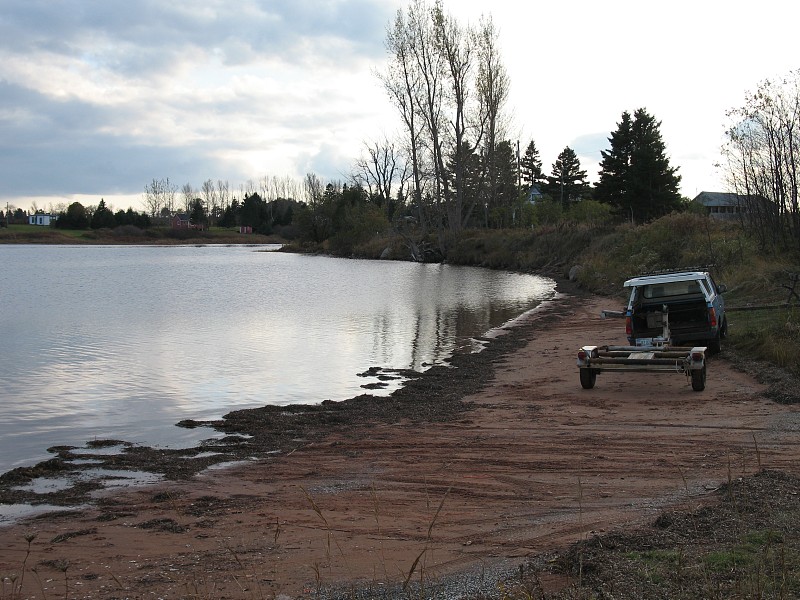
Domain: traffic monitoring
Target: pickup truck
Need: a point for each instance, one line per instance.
(690, 302)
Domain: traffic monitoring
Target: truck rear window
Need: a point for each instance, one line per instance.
(674, 288)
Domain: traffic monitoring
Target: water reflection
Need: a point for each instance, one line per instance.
(123, 342)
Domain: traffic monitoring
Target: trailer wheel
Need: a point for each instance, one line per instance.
(699, 379)
(588, 377)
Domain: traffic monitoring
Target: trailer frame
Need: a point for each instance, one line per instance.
(652, 355)
(685, 360)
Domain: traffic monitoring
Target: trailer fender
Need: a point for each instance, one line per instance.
(697, 358)
(585, 355)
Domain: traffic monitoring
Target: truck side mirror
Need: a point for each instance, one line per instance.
(722, 288)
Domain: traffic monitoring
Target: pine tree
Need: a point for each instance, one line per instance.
(635, 175)
(530, 166)
(198, 217)
(102, 217)
(567, 183)
(504, 187)
(612, 187)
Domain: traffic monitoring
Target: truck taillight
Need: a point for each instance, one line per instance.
(697, 356)
(581, 354)
(628, 326)
(712, 316)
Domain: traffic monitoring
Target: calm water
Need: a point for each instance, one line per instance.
(122, 342)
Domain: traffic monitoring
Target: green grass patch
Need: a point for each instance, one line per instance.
(670, 557)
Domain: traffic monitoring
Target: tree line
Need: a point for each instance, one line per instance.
(453, 165)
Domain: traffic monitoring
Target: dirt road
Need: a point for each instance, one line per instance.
(537, 463)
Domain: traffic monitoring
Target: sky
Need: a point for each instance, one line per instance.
(100, 97)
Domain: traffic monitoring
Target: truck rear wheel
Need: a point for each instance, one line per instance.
(699, 379)
(715, 345)
(588, 378)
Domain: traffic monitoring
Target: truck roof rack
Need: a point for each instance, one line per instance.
(681, 270)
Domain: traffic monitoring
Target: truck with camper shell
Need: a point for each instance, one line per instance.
(671, 320)
(690, 300)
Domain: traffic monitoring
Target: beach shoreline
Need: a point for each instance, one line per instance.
(475, 466)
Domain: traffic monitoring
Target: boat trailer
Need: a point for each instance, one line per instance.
(652, 355)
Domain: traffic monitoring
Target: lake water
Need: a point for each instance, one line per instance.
(122, 342)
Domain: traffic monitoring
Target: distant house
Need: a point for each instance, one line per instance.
(535, 193)
(180, 221)
(245, 229)
(41, 219)
(723, 205)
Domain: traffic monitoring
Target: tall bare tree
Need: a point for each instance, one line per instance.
(403, 83)
(449, 86)
(187, 191)
(159, 195)
(456, 47)
(152, 197)
(378, 171)
(492, 88)
(313, 188)
(223, 198)
(209, 194)
(763, 160)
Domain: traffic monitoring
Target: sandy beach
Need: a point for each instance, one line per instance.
(518, 461)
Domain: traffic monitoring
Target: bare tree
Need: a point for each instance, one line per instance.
(152, 197)
(223, 197)
(313, 189)
(763, 159)
(456, 47)
(188, 195)
(449, 86)
(170, 192)
(493, 87)
(159, 196)
(379, 170)
(403, 83)
(209, 194)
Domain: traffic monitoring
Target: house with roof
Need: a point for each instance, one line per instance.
(535, 193)
(180, 221)
(723, 205)
(184, 221)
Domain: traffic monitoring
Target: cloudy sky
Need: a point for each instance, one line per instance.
(99, 97)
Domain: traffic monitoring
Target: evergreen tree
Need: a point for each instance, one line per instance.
(198, 216)
(254, 213)
(229, 214)
(567, 183)
(473, 182)
(530, 167)
(103, 217)
(504, 187)
(475, 197)
(612, 186)
(635, 175)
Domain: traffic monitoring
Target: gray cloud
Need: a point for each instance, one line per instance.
(101, 96)
(136, 36)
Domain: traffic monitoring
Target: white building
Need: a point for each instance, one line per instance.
(41, 219)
